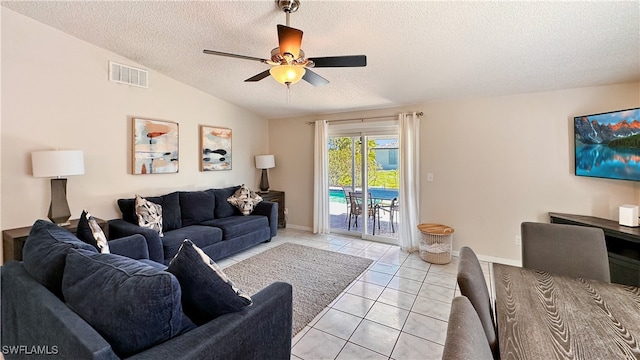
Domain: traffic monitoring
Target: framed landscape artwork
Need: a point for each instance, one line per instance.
(155, 146)
(215, 148)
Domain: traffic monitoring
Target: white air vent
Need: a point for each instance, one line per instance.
(128, 75)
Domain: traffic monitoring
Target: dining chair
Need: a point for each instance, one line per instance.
(473, 286)
(465, 336)
(568, 250)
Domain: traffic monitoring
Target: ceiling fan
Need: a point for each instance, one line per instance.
(288, 61)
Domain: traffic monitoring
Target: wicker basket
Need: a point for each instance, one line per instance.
(436, 243)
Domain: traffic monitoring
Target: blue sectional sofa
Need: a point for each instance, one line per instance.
(205, 218)
(43, 295)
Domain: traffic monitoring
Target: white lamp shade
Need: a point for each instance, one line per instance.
(265, 161)
(54, 163)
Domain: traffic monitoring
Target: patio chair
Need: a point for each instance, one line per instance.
(392, 209)
(354, 201)
(347, 191)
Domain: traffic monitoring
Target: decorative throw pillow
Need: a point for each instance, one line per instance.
(90, 232)
(223, 209)
(149, 214)
(206, 291)
(45, 252)
(131, 304)
(245, 200)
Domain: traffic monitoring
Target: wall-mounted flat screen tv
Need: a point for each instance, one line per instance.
(608, 145)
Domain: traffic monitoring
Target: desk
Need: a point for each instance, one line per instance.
(544, 316)
(13, 239)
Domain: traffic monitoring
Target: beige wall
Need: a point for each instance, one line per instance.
(56, 94)
(496, 162)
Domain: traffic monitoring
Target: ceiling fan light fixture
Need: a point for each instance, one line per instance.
(287, 74)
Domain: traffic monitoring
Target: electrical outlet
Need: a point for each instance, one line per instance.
(429, 177)
(518, 240)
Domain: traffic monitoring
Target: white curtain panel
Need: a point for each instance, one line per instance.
(321, 178)
(409, 146)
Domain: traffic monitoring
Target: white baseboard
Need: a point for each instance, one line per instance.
(493, 259)
(298, 227)
(487, 258)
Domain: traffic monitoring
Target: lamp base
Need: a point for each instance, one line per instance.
(59, 212)
(264, 181)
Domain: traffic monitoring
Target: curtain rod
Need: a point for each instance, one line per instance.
(363, 119)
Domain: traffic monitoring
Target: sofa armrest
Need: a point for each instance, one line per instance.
(133, 246)
(119, 228)
(33, 317)
(260, 331)
(270, 210)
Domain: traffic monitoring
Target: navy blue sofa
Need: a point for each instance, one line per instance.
(205, 218)
(37, 322)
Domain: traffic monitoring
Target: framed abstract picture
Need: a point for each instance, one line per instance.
(215, 148)
(155, 146)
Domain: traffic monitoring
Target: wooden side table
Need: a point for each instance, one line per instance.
(13, 239)
(277, 197)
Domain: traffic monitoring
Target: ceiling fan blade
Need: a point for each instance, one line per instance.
(220, 53)
(290, 40)
(258, 77)
(314, 79)
(340, 61)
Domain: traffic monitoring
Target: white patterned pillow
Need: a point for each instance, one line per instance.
(245, 200)
(149, 214)
(98, 234)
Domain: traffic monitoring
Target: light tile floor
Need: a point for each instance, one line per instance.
(397, 309)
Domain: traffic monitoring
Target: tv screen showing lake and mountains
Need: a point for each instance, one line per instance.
(608, 145)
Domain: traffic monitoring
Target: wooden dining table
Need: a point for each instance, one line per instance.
(545, 316)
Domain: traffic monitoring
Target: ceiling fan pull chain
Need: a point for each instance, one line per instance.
(288, 93)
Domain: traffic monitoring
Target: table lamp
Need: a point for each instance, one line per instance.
(57, 163)
(265, 162)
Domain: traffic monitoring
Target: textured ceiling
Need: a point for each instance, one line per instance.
(417, 51)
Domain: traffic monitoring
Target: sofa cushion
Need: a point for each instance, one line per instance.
(234, 226)
(171, 217)
(132, 305)
(149, 214)
(206, 291)
(244, 199)
(90, 232)
(45, 252)
(223, 208)
(202, 236)
(196, 207)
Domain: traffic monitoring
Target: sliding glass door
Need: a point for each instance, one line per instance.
(363, 190)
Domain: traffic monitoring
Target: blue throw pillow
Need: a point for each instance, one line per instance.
(206, 291)
(223, 208)
(134, 306)
(83, 232)
(45, 252)
(196, 206)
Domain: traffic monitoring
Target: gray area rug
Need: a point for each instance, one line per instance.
(317, 276)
